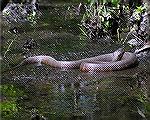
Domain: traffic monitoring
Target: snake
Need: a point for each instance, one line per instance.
(114, 61)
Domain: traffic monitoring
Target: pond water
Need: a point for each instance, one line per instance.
(60, 94)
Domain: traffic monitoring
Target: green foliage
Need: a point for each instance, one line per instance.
(114, 2)
(147, 106)
(9, 96)
(139, 9)
(10, 91)
(8, 108)
(102, 18)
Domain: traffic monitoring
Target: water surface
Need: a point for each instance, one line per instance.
(68, 94)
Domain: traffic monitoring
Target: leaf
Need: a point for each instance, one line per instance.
(115, 2)
(139, 9)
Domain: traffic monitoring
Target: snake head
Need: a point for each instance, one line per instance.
(118, 54)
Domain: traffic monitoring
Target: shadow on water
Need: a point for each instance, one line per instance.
(58, 94)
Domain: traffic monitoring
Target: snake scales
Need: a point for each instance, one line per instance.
(117, 60)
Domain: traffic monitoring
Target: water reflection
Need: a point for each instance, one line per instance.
(71, 94)
(87, 95)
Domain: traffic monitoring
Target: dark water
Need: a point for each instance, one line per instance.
(60, 94)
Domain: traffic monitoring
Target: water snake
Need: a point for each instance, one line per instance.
(128, 60)
(117, 60)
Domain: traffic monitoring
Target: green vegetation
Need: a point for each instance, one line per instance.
(8, 104)
(112, 18)
(103, 18)
(70, 94)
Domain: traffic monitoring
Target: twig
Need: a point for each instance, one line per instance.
(9, 46)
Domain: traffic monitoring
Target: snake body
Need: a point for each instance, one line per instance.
(128, 60)
(107, 62)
